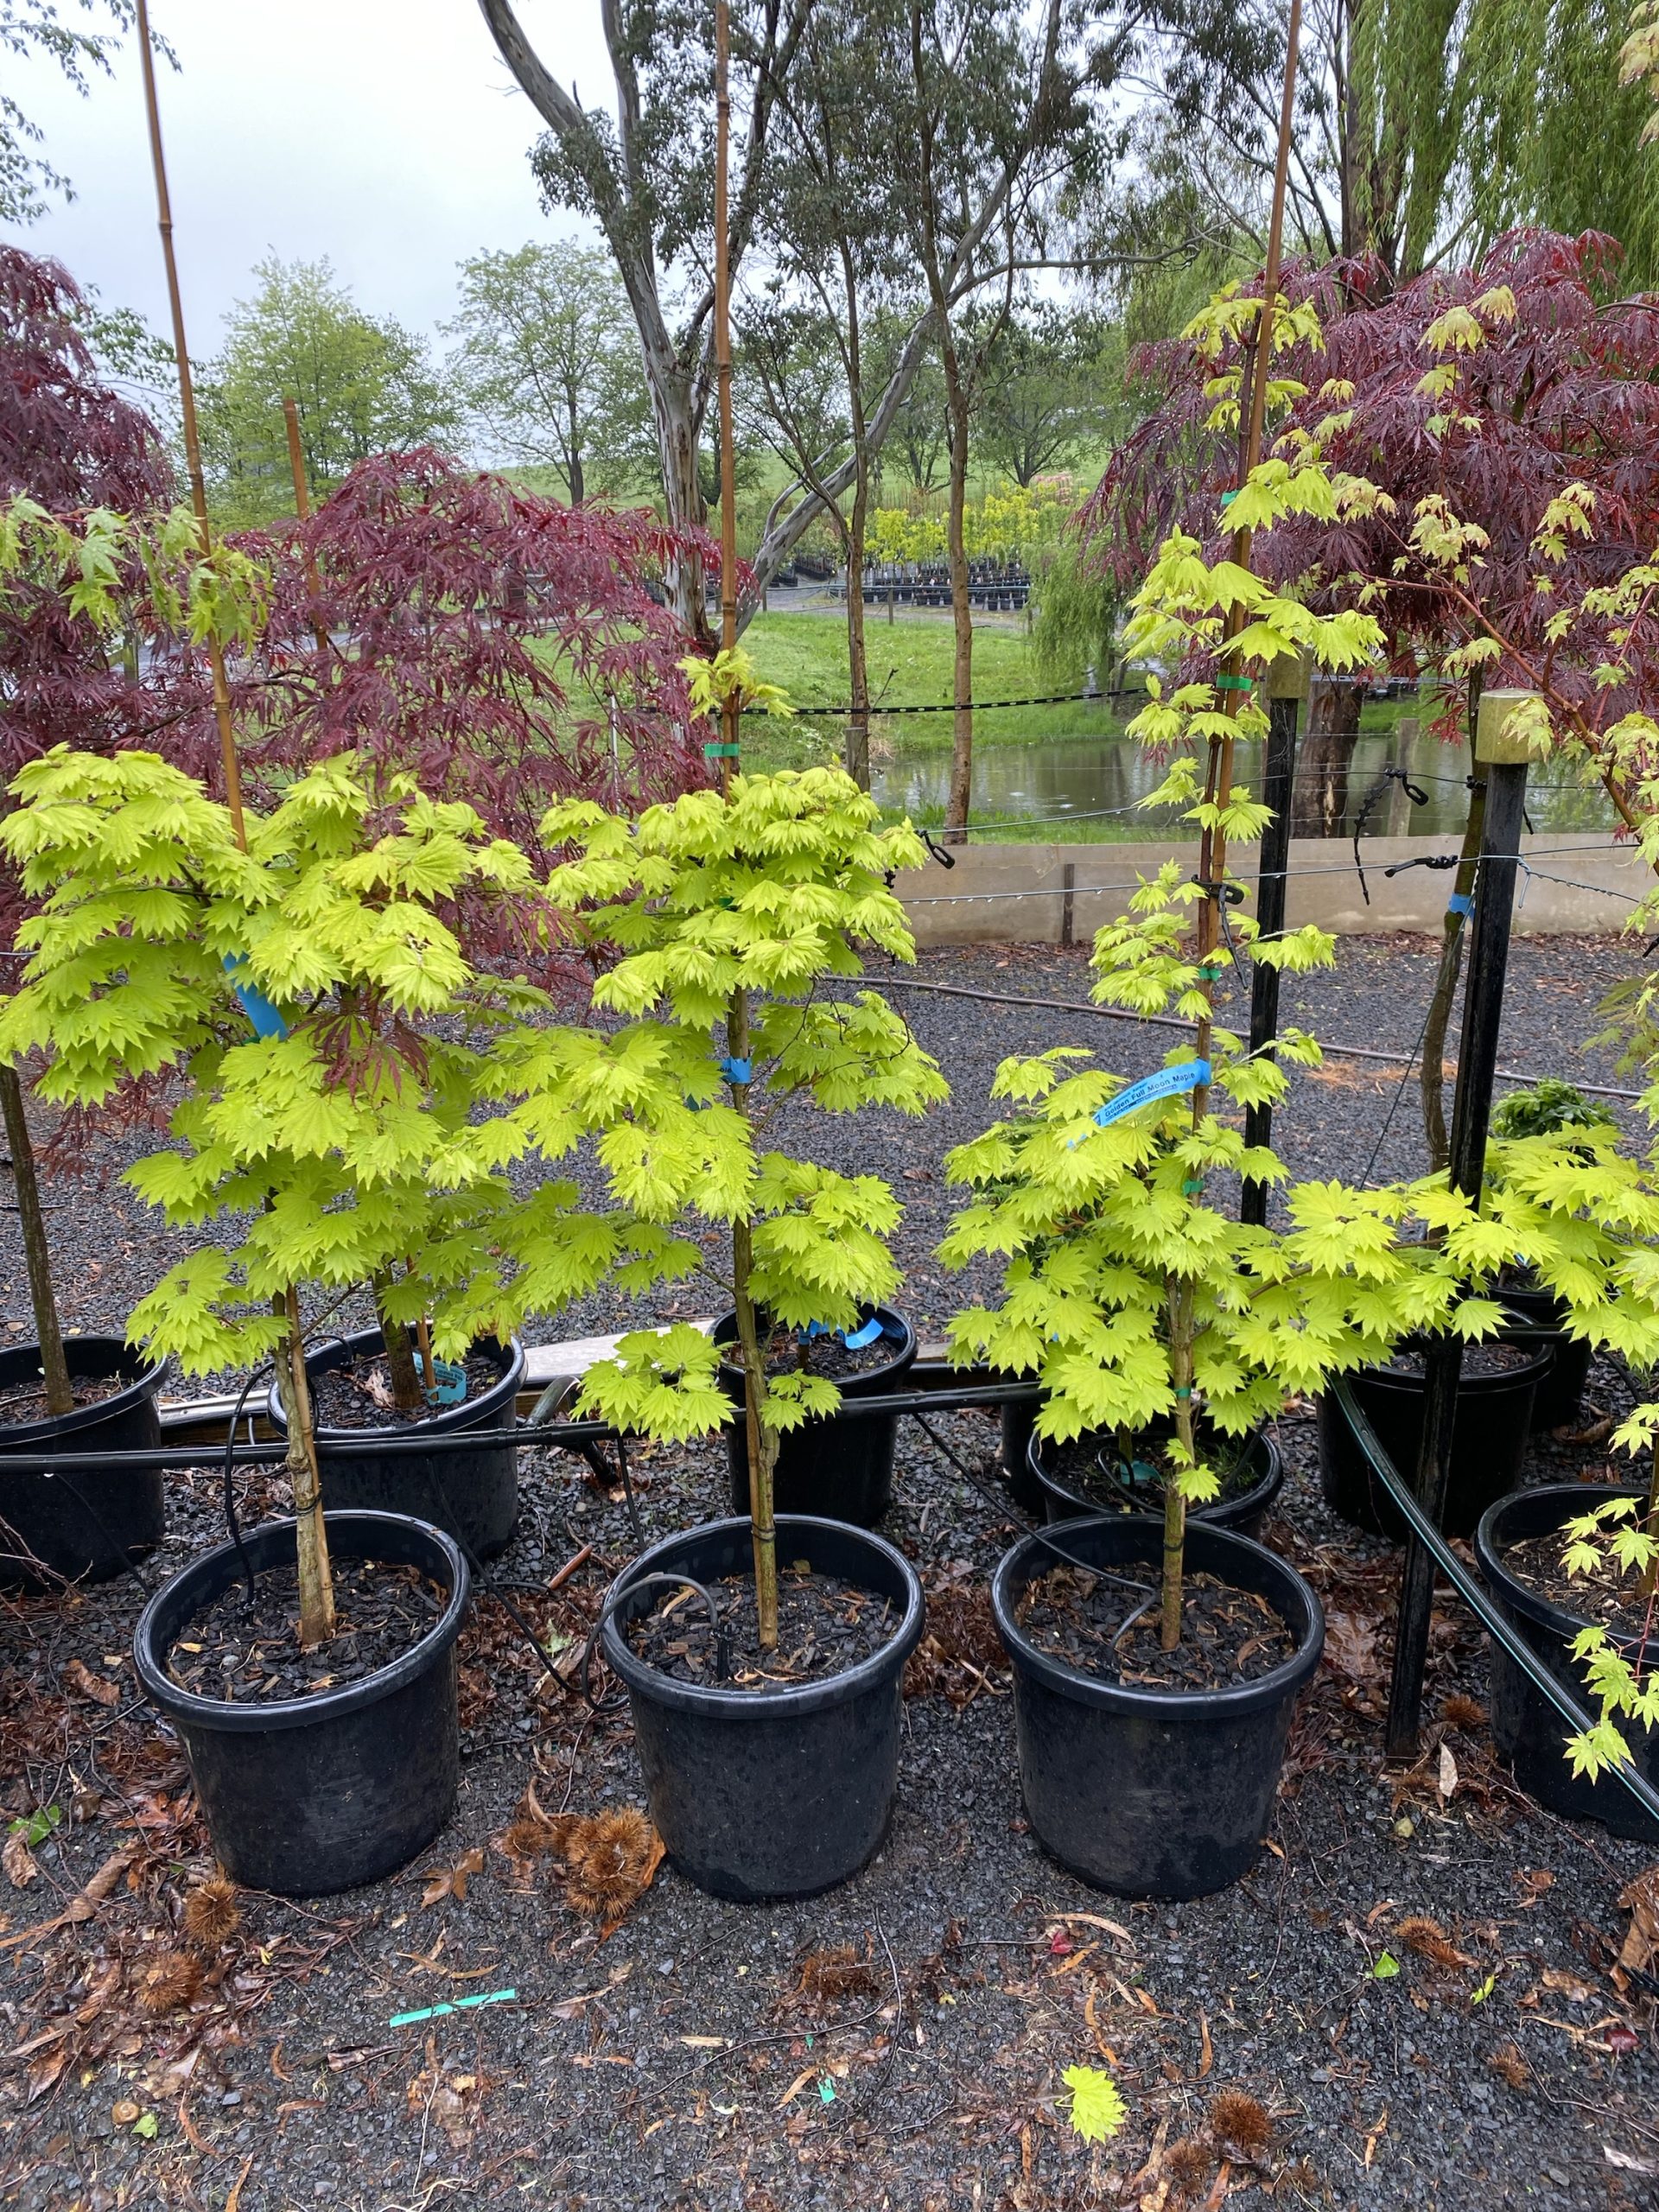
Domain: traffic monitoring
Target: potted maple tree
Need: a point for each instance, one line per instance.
(766, 1695)
(348, 1112)
(77, 592)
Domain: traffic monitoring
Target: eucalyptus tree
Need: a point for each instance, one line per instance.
(641, 168)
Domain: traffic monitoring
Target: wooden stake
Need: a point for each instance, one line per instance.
(187, 413)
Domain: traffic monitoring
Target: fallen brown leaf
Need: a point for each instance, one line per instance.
(81, 1681)
(1640, 1898)
(19, 1861)
(1350, 1647)
(451, 1881)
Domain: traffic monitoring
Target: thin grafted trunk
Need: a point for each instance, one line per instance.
(1180, 1298)
(310, 1530)
(762, 1440)
(37, 1252)
(1432, 1077)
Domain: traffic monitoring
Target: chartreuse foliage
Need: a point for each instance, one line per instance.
(373, 1137)
(728, 914)
(94, 566)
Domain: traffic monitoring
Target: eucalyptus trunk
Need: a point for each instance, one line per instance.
(961, 615)
(37, 1252)
(858, 667)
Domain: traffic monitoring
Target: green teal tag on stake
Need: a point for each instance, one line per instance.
(721, 752)
(1234, 683)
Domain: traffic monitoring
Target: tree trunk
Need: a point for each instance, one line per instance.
(1431, 1075)
(858, 667)
(1180, 1298)
(406, 1391)
(310, 1531)
(37, 1252)
(961, 615)
(677, 442)
(1320, 809)
(762, 1440)
(578, 481)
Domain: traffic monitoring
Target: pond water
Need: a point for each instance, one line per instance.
(1085, 788)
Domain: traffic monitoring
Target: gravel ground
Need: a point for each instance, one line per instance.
(683, 2063)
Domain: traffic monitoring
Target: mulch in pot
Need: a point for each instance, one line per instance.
(359, 1396)
(25, 1402)
(250, 1654)
(825, 1627)
(784, 1353)
(1137, 1474)
(1478, 1360)
(1228, 1635)
(1610, 1596)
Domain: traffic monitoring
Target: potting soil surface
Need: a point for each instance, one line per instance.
(1414, 1998)
(1478, 1359)
(250, 1653)
(359, 1396)
(25, 1402)
(824, 1627)
(826, 1355)
(1102, 1629)
(1609, 1594)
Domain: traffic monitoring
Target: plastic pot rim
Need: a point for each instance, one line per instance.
(1265, 1489)
(444, 1420)
(1232, 1702)
(15, 1435)
(188, 1708)
(1520, 1596)
(1532, 1368)
(865, 1383)
(710, 1703)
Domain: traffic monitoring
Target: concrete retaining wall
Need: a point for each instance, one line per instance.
(1056, 894)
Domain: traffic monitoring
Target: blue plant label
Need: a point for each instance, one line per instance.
(1168, 1083)
(858, 1338)
(267, 1021)
(450, 1387)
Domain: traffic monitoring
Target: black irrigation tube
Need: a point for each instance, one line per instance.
(1474, 1597)
(570, 1436)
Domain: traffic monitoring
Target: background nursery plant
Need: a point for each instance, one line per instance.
(730, 914)
(348, 1074)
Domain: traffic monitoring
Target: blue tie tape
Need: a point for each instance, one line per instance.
(737, 1071)
(1168, 1083)
(1460, 902)
(866, 1335)
(266, 1018)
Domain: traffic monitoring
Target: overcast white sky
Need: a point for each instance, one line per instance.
(386, 134)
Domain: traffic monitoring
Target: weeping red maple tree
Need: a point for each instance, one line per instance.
(1555, 380)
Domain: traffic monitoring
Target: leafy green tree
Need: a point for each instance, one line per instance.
(353, 1083)
(729, 919)
(548, 366)
(1053, 388)
(361, 385)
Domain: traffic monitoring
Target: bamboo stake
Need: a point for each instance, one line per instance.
(187, 412)
(1212, 851)
(762, 1441)
(37, 1252)
(1212, 859)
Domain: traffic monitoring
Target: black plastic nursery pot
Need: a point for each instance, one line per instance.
(1242, 1507)
(1154, 1792)
(1527, 1730)
(1018, 1431)
(840, 1469)
(774, 1794)
(87, 1526)
(472, 1495)
(1560, 1390)
(1489, 1444)
(326, 1792)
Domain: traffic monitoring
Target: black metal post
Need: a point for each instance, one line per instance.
(1278, 784)
(1482, 1014)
